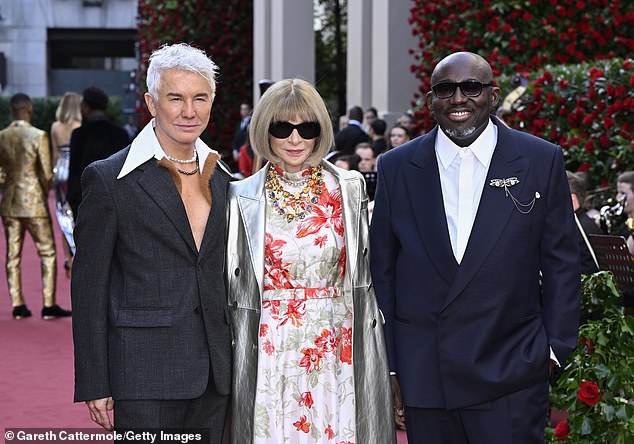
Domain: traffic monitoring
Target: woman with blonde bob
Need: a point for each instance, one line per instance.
(309, 353)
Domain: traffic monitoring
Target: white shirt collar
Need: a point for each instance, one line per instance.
(482, 147)
(146, 145)
(354, 122)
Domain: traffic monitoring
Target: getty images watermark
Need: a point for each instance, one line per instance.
(98, 436)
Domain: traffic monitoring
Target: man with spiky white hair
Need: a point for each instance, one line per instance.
(151, 333)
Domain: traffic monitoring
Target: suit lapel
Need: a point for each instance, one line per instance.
(422, 181)
(494, 210)
(158, 184)
(218, 205)
(252, 203)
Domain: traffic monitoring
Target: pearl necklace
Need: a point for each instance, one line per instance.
(294, 205)
(174, 159)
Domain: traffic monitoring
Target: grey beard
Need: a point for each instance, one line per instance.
(457, 133)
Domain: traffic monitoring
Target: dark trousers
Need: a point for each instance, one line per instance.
(517, 418)
(205, 415)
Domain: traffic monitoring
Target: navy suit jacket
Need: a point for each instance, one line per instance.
(463, 335)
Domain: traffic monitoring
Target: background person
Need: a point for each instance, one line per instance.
(585, 225)
(299, 287)
(26, 159)
(67, 118)
(97, 138)
(398, 135)
(352, 134)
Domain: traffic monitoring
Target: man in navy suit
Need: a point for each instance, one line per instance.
(475, 264)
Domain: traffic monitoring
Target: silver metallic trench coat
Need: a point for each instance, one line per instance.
(245, 273)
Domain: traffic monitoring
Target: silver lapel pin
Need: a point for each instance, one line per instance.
(509, 182)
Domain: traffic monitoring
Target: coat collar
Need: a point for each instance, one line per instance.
(252, 205)
(146, 146)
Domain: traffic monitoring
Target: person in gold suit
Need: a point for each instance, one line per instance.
(25, 156)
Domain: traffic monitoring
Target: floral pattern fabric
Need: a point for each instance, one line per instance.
(305, 387)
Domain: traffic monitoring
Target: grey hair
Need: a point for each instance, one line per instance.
(180, 56)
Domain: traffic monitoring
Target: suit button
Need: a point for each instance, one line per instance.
(237, 272)
(197, 309)
(235, 305)
(373, 323)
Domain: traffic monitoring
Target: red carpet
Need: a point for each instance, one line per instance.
(37, 355)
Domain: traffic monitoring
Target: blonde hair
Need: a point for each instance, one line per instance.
(68, 108)
(286, 100)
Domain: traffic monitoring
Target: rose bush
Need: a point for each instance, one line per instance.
(588, 109)
(596, 388)
(517, 35)
(225, 31)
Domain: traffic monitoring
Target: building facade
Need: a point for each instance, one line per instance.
(48, 47)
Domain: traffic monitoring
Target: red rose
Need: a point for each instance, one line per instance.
(588, 343)
(589, 393)
(561, 431)
(586, 166)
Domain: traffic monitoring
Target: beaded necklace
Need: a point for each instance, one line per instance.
(192, 172)
(294, 205)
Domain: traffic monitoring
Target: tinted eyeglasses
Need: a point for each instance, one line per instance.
(307, 130)
(470, 88)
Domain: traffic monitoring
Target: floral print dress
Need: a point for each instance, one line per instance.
(305, 386)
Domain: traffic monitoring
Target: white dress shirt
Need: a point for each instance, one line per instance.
(462, 197)
(146, 145)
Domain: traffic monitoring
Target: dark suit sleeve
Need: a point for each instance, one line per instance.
(559, 256)
(95, 238)
(73, 193)
(384, 250)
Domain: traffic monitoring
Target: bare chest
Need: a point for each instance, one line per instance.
(196, 206)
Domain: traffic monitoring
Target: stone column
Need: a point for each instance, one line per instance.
(386, 50)
(283, 41)
(359, 54)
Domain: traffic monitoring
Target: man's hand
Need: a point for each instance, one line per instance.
(99, 409)
(399, 411)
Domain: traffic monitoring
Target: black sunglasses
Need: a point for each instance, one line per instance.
(307, 130)
(470, 88)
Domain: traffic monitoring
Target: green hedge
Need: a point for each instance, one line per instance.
(44, 111)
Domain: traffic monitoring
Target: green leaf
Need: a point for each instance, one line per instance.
(608, 412)
(586, 426)
(622, 413)
(602, 371)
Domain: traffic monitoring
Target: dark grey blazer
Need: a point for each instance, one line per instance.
(149, 319)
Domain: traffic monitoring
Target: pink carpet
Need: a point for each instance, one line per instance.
(37, 356)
